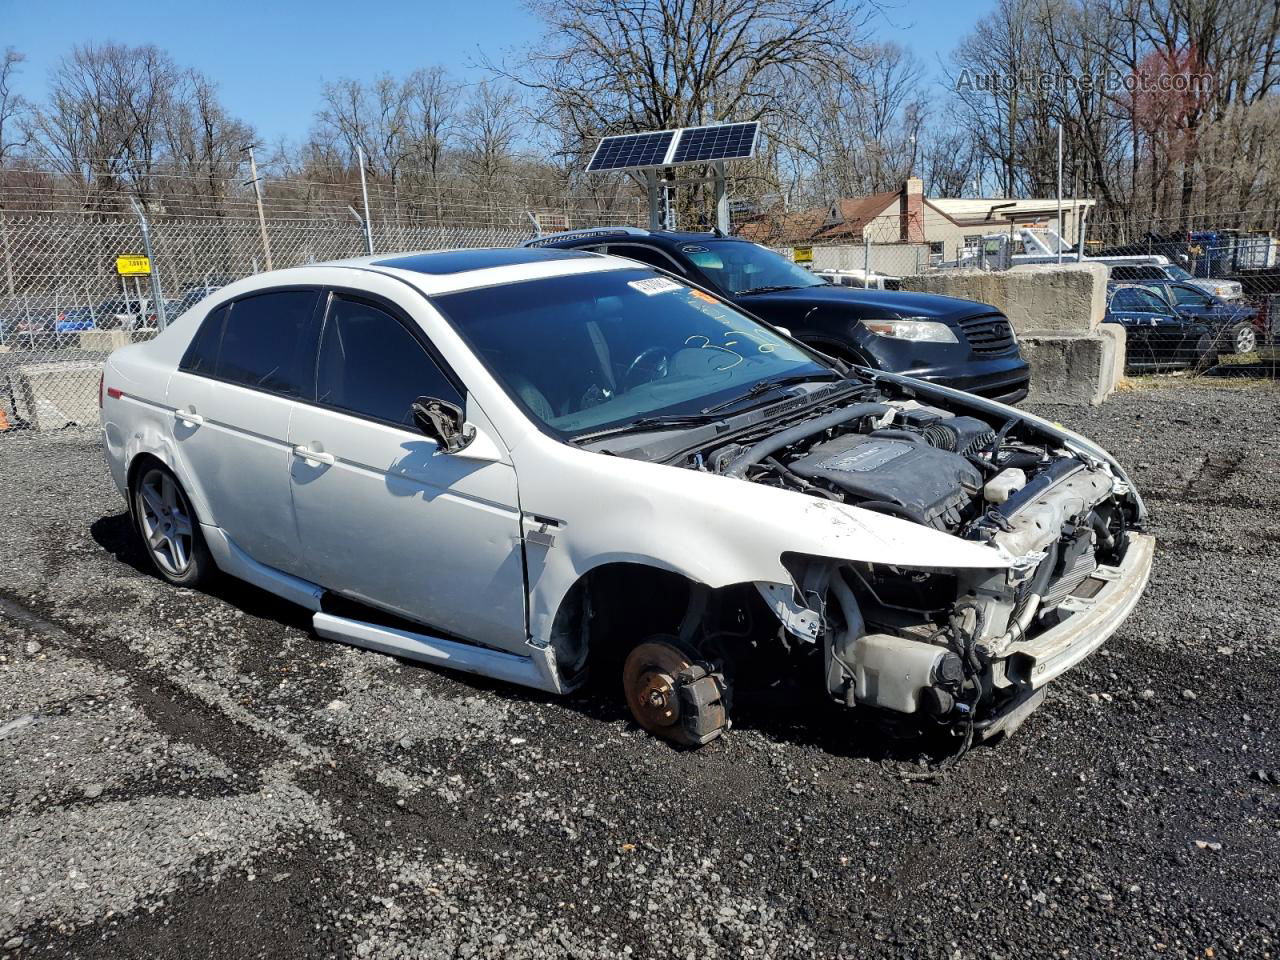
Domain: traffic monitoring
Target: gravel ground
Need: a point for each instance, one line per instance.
(188, 774)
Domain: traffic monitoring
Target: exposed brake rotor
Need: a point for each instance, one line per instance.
(674, 696)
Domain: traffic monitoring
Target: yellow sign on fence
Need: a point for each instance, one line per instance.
(802, 254)
(133, 265)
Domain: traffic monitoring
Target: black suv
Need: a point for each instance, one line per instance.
(959, 343)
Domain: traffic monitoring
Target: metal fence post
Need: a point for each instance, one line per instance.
(8, 255)
(156, 293)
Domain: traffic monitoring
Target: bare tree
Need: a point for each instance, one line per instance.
(430, 122)
(13, 106)
(104, 121)
(488, 133)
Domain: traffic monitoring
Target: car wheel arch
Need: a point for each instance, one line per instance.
(644, 596)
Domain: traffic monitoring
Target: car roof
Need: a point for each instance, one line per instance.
(447, 262)
(594, 235)
(434, 272)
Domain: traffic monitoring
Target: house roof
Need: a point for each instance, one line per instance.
(846, 218)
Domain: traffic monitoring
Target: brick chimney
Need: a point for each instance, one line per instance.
(911, 211)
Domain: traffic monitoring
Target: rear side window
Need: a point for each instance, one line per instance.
(371, 365)
(265, 341)
(202, 353)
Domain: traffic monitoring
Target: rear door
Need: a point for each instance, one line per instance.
(233, 395)
(384, 515)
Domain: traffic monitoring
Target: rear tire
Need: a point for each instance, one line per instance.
(168, 528)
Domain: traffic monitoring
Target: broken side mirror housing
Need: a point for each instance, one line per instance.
(443, 422)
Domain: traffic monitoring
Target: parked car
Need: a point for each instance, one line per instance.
(959, 343)
(185, 301)
(536, 464)
(1235, 326)
(110, 314)
(860, 278)
(1156, 335)
(1172, 273)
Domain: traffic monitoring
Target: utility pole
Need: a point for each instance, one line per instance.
(257, 193)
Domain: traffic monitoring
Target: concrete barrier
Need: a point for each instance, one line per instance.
(105, 341)
(49, 396)
(1056, 311)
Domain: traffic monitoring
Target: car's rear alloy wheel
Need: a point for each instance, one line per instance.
(169, 529)
(673, 695)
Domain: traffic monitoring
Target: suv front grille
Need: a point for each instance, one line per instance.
(989, 334)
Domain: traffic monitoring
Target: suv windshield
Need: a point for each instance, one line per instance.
(597, 350)
(738, 267)
(1177, 273)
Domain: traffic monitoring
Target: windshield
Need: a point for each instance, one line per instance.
(1177, 273)
(597, 350)
(738, 267)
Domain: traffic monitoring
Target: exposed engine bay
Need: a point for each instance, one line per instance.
(968, 648)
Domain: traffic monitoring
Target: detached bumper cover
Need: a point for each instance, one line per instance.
(1037, 661)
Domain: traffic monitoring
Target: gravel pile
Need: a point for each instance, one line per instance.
(188, 774)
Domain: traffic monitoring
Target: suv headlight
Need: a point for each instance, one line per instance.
(928, 331)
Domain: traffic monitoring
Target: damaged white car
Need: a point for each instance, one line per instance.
(539, 464)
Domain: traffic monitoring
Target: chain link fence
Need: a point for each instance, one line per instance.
(63, 306)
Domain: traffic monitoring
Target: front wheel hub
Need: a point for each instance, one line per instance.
(674, 696)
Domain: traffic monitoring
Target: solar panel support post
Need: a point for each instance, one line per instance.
(651, 185)
(722, 198)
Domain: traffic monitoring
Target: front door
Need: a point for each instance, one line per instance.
(233, 396)
(384, 515)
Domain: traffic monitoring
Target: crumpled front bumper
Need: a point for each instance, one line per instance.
(1034, 662)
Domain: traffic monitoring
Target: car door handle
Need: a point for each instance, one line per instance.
(314, 456)
(190, 419)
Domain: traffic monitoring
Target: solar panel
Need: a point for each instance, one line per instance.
(729, 141)
(632, 150)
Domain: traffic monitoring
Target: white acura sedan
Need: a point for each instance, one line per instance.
(532, 464)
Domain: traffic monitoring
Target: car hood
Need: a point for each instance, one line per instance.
(881, 303)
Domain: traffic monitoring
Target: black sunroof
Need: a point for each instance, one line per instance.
(460, 261)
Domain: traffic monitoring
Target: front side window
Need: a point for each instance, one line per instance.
(1191, 297)
(371, 365)
(264, 342)
(598, 350)
(739, 268)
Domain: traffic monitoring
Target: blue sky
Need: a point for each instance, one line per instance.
(270, 58)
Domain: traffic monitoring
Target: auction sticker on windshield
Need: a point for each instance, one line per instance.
(654, 285)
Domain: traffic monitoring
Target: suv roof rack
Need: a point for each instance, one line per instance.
(548, 238)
